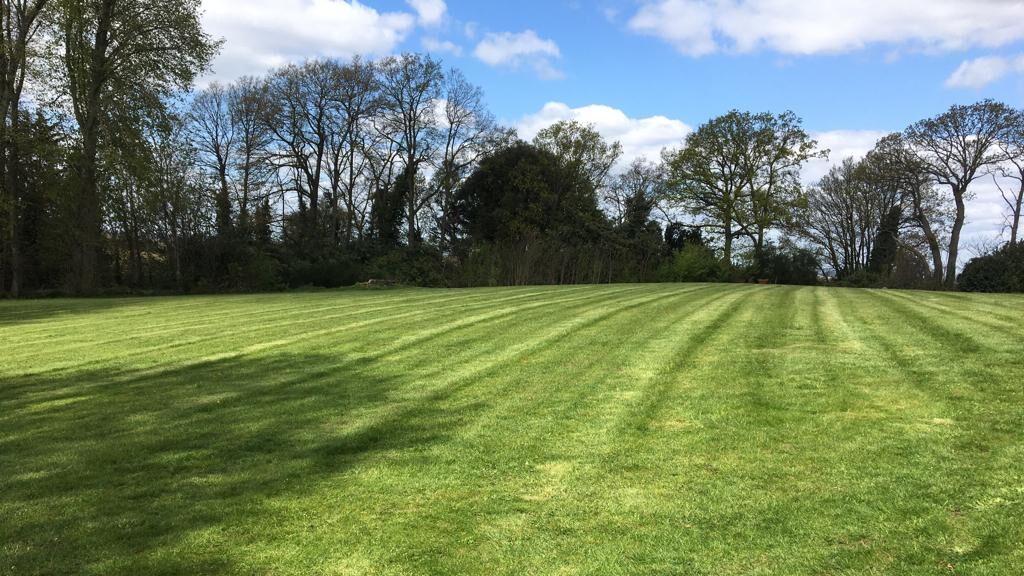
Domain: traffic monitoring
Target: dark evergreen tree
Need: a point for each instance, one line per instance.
(886, 244)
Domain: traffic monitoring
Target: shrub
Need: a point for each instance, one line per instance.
(693, 263)
(1000, 271)
(332, 272)
(421, 265)
(787, 264)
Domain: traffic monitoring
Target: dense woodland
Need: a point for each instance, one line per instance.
(119, 175)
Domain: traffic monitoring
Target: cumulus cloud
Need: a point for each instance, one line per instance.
(700, 27)
(983, 71)
(261, 34)
(429, 12)
(841, 144)
(517, 49)
(640, 137)
(436, 46)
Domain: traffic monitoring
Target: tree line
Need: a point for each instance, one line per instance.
(898, 214)
(118, 175)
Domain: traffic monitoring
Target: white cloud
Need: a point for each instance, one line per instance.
(261, 34)
(429, 12)
(841, 144)
(986, 213)
(981, 72)
(700, 27)
(640, 137)
(436, 46)
(516, 49)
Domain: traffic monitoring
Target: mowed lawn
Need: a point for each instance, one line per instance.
(663, 429)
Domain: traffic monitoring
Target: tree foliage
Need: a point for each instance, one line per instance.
(331, 171)
(739, 175)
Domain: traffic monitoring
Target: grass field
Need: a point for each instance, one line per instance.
(693, 429)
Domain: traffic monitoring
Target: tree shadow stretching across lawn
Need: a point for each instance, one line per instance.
(115, 476)
(21, 312)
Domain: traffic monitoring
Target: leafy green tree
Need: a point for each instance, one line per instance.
(389, 210)
(180, 204)
(780, 149)
(122, 58)
(632, 199)
(44, 212)
(524, 203)
(580, 150)
(20, 24)
(739, 174)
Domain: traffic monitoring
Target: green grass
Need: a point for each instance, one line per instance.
(696, 429)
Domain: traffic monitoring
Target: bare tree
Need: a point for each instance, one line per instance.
(955, 149)
(642, 179)
(410, 88)
(469, 132)
(358, 100)
(302, 116)
(1013, 149)
(212, 129)
(842, 216)
(248, 107)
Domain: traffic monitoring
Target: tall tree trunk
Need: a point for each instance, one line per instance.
(929, 234)
(727, 250)
(15, 252)
(1015, 224)
(13, 184)
(933, 246)
(88, 212)
(350, 204)
(954, 239)
(175, 251)
(4, 251)
(410, 190)
(223, 200)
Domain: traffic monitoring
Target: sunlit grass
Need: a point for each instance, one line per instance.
(696, 429)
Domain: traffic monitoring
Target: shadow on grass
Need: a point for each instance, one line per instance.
(114, 472)
(18, 312)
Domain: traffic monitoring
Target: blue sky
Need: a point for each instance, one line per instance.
(646, 71)
(606, 57)
(605, 62)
